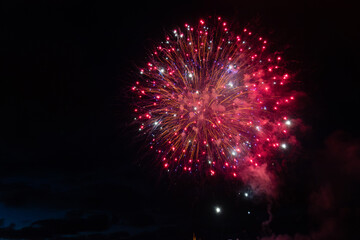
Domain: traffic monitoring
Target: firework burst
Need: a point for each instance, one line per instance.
(213, 101)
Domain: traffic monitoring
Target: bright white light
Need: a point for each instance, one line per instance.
(258, 128)
(230, 84)
(162, 70)
(156, 123)
(233, 153)
(288, 122)
(230, 67)
(248, 212)
(283, 146)
(246, 194)
(190, 75)
(218, 210)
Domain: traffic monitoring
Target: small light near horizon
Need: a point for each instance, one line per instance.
(246, 194)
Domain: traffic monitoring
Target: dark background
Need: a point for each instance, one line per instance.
(69, 164)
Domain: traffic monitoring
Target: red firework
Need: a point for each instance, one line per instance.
(214, 101)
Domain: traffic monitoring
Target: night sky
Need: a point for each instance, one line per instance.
(72, 168)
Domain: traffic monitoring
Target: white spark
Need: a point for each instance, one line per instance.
(218, 210)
